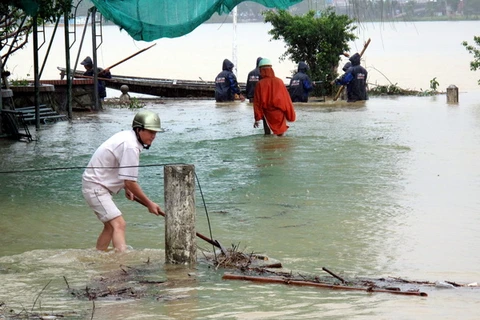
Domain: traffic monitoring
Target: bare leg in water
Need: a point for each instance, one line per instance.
(113, 231)
(266, 128)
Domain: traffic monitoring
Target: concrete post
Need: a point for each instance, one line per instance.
(125, 97)
(180, 235)
(452, 94)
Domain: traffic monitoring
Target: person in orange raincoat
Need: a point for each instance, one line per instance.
(271, 101)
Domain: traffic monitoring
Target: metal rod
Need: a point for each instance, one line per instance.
(67, 63)
(35, 68)
(81, 43)
(94, 56)
(49, 46)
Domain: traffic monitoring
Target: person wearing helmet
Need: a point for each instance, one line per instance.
(300, 84)
(272, 101)
(226, 85)
(113, 167)
(252, 80)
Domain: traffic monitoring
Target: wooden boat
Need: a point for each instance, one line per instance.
(169, 88)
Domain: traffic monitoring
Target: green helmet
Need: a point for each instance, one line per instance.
(264, 62)
(147, 119)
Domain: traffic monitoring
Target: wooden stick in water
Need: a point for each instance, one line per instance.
(282, 280)
(201, 236)
(333, 274)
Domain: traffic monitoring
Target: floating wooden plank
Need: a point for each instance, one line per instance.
(289, 281)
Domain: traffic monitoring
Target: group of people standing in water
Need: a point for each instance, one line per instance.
(272, 101)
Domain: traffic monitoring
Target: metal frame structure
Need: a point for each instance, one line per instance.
(97, 40)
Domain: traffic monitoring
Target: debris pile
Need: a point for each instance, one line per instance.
(259, 268)
(232, 258)
(143, 282)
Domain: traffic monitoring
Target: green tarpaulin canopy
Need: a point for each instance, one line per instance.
(148, 20)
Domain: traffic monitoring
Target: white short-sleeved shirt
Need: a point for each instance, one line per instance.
(115, 161)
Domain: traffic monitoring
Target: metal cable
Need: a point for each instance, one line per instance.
(118, 167)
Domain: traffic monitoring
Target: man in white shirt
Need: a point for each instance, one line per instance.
(114, 166)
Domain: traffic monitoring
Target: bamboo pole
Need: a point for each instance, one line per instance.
(230, 276)
(201, 236)
(339, 92)
(114, 65)
(131, 56)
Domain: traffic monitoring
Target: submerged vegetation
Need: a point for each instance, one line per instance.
(134, 103)
(395, 90)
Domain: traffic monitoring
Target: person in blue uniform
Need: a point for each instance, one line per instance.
(300, 84)
(355, 78)
(252, 79)
(226, 85)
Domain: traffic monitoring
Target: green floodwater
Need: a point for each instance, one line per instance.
(388, 187)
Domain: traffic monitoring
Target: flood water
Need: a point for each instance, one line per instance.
(388, 187)
(407, 54)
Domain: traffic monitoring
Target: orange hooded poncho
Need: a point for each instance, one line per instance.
(272, 101)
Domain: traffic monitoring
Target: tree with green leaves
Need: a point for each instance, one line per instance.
(318, 40)
(475, 50)
(17, 17)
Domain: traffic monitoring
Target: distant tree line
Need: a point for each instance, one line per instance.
(366, 10)
(359, 10)
(363, 10)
